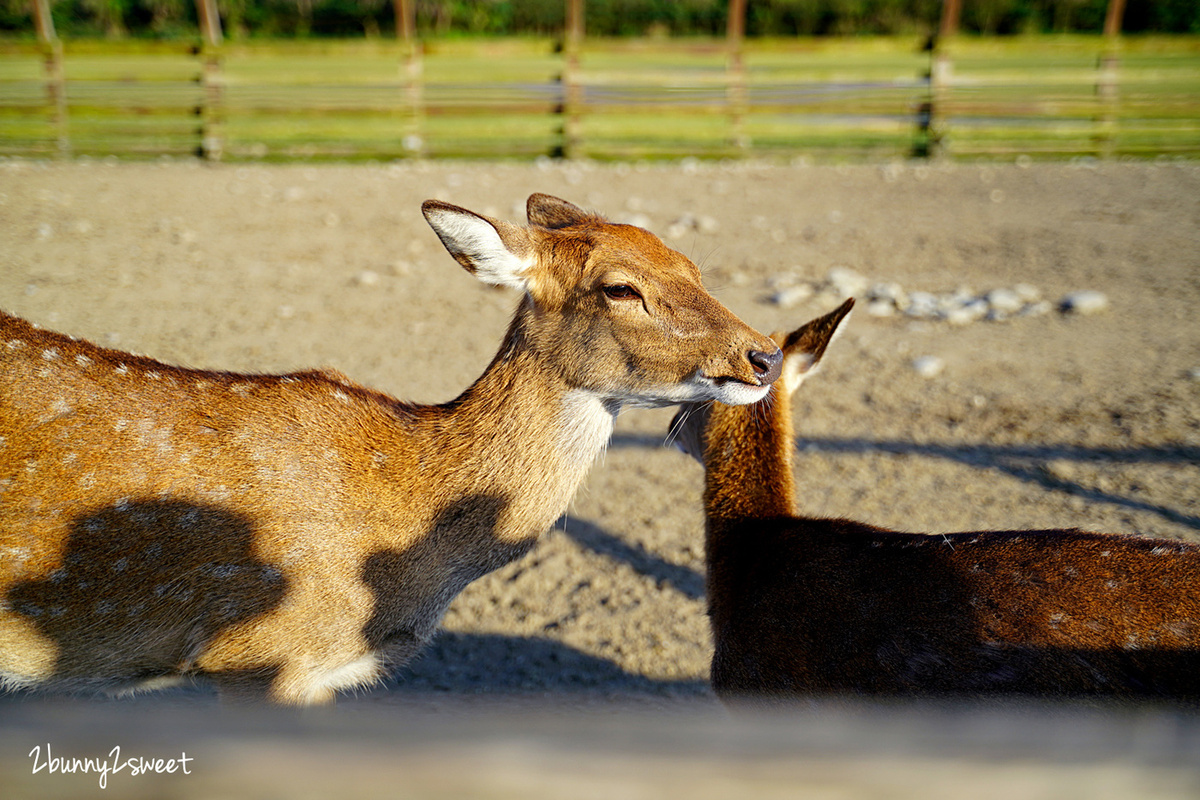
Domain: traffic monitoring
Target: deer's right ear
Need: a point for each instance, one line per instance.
(548, 211)
(496, 252)
(804, 347)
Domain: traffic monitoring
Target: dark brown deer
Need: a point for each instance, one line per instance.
(293, 535)
(802, 606)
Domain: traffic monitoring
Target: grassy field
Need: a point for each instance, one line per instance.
(825, 98)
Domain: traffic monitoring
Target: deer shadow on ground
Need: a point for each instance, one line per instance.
(1026, 463)
(479, 664)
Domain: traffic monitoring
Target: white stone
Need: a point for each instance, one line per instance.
(847, 282)
(922, 305)
(1087, 301)
(792, 296)
(1027, 292)
(891, 292)
(1005, 301)
(971, 311)
(928, 366)
(881, 308)
(677, 231)
(1036, 309)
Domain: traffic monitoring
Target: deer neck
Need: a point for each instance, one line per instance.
(523, 437)
(748, 461)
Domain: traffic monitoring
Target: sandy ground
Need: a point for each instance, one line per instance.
(596, 644)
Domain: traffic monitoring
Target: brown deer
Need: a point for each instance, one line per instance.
(802, 606)
(292, 535)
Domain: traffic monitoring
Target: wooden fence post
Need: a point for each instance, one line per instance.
(570, 135)
(212, 143)
(56, 84)
(1107, 80)
(735, 74)
(411, 76)
(933, 114)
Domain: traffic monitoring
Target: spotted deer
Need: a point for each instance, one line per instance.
(289, 536)
(802, 606)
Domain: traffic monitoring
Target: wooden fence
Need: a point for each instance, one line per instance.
(860, 98)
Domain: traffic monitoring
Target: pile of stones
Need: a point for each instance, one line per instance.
(959, 307)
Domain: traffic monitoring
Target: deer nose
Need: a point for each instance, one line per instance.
(767, 366)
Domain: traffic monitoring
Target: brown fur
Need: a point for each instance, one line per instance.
(291, 535)
(801, 606)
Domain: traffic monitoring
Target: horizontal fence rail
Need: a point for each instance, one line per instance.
(1045, 96)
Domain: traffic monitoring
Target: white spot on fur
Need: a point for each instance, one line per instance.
(585, 426)
(11, 681)
(15, 555)
(50, 354)
(153, 375)
(83, 360)
(340, 395)
(361, 671)
(15, 344)
(121, 369)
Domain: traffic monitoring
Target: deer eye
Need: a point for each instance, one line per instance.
(621, 291)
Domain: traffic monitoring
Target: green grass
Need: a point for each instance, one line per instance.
(827, 98)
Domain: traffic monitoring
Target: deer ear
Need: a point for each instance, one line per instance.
(546, 211)
(496, 252)
(804, 347)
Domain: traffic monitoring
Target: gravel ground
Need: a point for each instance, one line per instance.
(597, 642)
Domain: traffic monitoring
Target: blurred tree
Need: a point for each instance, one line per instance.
(164, 14)
(604, 17)
(110, 14)
(302, 25)
(233, 17)
(369, 9)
